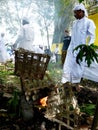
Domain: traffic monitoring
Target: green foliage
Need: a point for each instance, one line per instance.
(80, 1)
(88, 52)
(3, 76)
(13, 103)
(55, 72)
(89, 109)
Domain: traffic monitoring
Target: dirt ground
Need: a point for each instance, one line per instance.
(14, 120)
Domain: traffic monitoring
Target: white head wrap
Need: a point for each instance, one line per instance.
(82, 7)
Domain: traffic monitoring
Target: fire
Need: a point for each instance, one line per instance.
(43, 101)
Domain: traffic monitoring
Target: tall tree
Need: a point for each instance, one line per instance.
(45, 18)
(13, 11)
(63, 18)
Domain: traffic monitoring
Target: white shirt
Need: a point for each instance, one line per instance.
(25, 38)
(4, 55)
(73, 72)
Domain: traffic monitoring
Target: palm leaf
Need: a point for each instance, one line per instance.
(79, 47)
(80, 1)
(88, 52)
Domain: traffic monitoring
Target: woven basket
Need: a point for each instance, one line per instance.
(30, 65)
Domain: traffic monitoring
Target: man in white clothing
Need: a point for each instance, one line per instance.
(4, 55)
(56, 52)
(25, 37)
(81, 30)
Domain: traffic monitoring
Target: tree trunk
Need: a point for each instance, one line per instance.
(63, 19)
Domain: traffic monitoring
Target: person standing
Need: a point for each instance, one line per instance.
(4, 55)
(56, 52)
(66, 42)
(83, 27)
(25, 37)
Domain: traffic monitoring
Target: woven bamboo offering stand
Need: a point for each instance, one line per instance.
(31, 68)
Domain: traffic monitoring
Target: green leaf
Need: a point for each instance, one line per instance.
(88, 52)
(89, 109)
(80, 1)
(79, 47)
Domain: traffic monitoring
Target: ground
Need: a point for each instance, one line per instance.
(9, 84)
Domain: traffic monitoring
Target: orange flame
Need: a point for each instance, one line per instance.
(43, 101)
